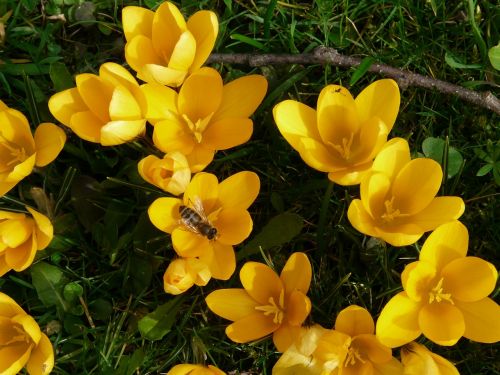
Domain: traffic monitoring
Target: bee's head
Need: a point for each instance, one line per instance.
(212, 233)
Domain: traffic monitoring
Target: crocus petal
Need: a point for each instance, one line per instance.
(231, 304)
(15, 232)
(296, 121)
(44, 228)
(20, 355)
(30, 327)
(398, 321)
(41, 361)
(251, 327)
(173, 135)
(399, 239)
(241, 97)
(337, 117)
(260, 282)
(392, 158)
(350, 175)
(246, 183)
(161, 102)
(469, 279)
(9, 307)
(227, 132)
(178, 276)
(65, 104)
(161, 74)
(416, 279)
(233, 226)
(373, 192)
(446, 243)
(196, 106)
(370, 346)
(183, 369)
(220, 260)
(199, 157)
(361, 220)
(96, 93)
(441, 323)
(123, 105)
(417, 360)
(21, 257)
(49, 141)
(380, 99)
(137, 21)
(296, 274)
(164, 213)
(19, 172)
(372, 137)
(119, 132)
(189, 244)
(285, 336)
(317, 156)
(87, 126)
(298, 308)
(354, 320)
(168, 25)
(416, 185)
(202, 189)
(139, 52)
(481, 320)
(184, 52)
(204, 26)
(117, 75)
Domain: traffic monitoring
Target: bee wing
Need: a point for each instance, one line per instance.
(198, 207)
(187, 224)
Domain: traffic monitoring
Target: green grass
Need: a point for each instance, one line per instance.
(104, 241)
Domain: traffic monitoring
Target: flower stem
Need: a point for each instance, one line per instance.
(325, 203)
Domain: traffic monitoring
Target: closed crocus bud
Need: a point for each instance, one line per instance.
(20, 151)
(189, 369)
(171, 174)
(183, 273)
(107, 108)
(418, 360)
(22, 344)
(21, 236)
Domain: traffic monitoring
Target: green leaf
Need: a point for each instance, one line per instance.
(361, 70)
(494, 55)
(278, 231)
(60, 76)
(158, 323)
(454, 62)
(49, 282)
(434, 148)
(485, 169)
(72, 291)
(245, 39)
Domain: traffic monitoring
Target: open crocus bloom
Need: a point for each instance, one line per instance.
(418, 360)
(268, 303)
(183, 273)
(344, 134)
(188, 369)
(208, 204)
(205, 116)
(352, 348)
(105, 109)
(445, 295)
(171, 174)
(398, 197)
(162, 47)
(20, 151)
(22, 344)
(21, 237)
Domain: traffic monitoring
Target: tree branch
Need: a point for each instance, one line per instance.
(325, 55)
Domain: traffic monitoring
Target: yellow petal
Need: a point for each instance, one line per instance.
(417, 278)
(200, 270)
(44, 228)
(199, 157)
(65, 104)
(177, 277)
(251, 327)
(161, 102)
(317, 156)
(41, 360)
(392, 158)
(3, 106)
(164, 213)
(354, 320)
(337, 117)
(162, 75)
(417, 360)
(441, 323)
(381, 99)
(203, 188)
(173, 135)
(469, 279)
(285, 336)
(372, 137)
(183, 369)
(297, 273)
(233, 226)
(481, 320)
(96, 94)
(49, 141)
(296, 121)
(137, 21)
(227, 132)
(168, 25)
(231, 304)
(416, 185)
(361, 220)
(5, 187)
(139, 52)
(29, 326)
(350, 175)
(123, 105)
(87, 126)
(204, 26)
(399, 239)
(184, 51)
(374, 192)
(221, 261)
(372, 348)
(332, 347)
(21, 257)
(15, 232)
(189, 244)
(9, 307)
(192, 103)
(117, 75)
(393, 367)
(445, 244)
(398, 321)
(260, 282)
(18, 355)
(122, 131)
(239, 190)
(241, 97)
(297, 309)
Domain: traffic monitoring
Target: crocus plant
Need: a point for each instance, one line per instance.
(189, 369)
(267, 303)
(445, 295)
(418, 360)
(343, 135)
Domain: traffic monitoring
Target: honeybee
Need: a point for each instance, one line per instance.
(195, 220)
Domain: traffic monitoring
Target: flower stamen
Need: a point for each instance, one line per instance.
(436, 294)
(390, 213)
(353, 355)
(198, 127)
(18, 154)
(345, 149)
(274, 309)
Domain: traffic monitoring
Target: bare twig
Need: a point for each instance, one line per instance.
(325, 55)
